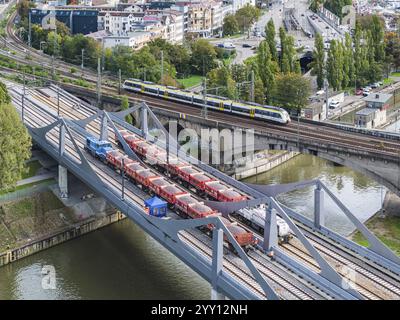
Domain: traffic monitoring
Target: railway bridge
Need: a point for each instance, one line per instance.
(316, 264)
(375, 154)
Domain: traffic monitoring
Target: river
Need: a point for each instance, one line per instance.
(122, 262)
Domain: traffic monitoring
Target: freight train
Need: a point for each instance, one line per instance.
(247, 109)
(202, 183)
(151, 182)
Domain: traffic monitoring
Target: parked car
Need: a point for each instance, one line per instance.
(359, 92)
(366, 93)
(334, 104)
(246, 45)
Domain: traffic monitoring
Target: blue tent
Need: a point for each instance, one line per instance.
(156, 207)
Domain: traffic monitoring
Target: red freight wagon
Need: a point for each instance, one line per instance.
(231, 196)
(185, 172)
(176, 165)
(132, 168)
(182, 202)
(139, 146)
(131, 140)
(143, 177)
(242, 236)
(123, 133)
(200, 210)
(214, 188)
(170, 192)
(156, 183)
(198, 180)
(115, 158)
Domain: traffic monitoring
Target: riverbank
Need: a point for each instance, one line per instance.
(385, 224)
(40, 221)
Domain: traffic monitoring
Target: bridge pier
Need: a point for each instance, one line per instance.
(270, 229)
(216, 265)
(143, 120)
(319, 216)
(63, 181)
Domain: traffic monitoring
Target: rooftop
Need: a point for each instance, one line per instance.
(365, 111)
(378, 97)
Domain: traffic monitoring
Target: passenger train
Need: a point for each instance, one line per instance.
(248, 109)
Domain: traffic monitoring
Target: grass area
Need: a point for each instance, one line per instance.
(386, 229)
(31, 217)
(32, 169)
(25, 186)
(387, 81)
(395, 74)
(191, 81)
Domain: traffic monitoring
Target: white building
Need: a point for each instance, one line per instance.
(119, 22)
(134, 40)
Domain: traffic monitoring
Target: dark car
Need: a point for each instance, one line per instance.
(246, 45)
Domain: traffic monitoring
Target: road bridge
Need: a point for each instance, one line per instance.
(60, 128)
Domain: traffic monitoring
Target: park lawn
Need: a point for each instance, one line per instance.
(191, 81)
(395, 74)
(32, 168)
(386, 229)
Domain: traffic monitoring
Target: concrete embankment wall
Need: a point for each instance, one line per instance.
(264, 165)
(71, 232)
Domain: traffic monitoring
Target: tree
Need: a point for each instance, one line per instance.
(15, 143)
(318, 64)
(335, 65)
(23, 8)
(392, 49)
(203, 57)
(336, 6)
(378, 34)
(348, 62)
(221, 78)
(4, 96)
(246, 16)
(266, 68)
(125, 106)
(291, 91)
(270, 37)
(230, 25)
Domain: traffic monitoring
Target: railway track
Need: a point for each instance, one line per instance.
(300, 253)
(310, 132)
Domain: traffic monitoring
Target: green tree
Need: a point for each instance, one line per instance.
(291, 91)
(230, 25)
(221, 78)
(392, 49)
(266, 68)
(15, 143)
(125, 106)
(335, 65)
(246, 16)
(378, 35)
(318, 64)
(270, 37)
(203, 57)
(4, 96)
(348, 62)
(336, 6)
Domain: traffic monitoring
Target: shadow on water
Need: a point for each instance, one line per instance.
(117, 262)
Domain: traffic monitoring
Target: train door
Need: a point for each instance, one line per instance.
(142, 89)
(221, 106)
(252, 113)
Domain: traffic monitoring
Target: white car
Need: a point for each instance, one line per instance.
(334, 104)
